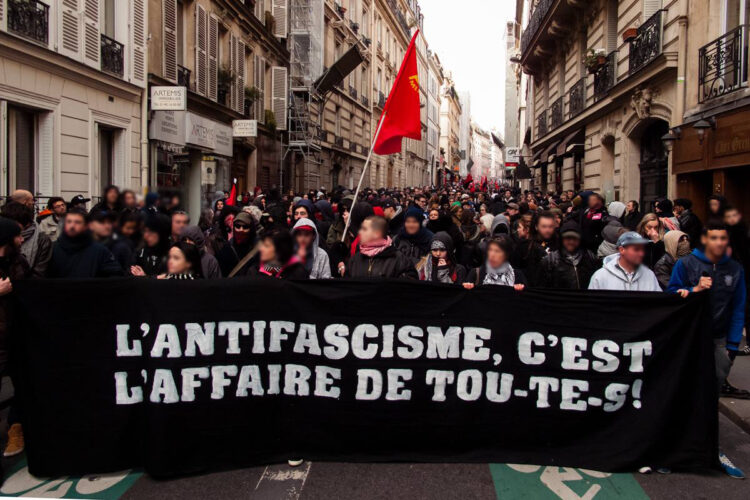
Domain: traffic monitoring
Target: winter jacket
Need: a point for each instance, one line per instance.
(82, 257)
(429, 271)
(691, 225)
(209, 265)
(14, 268)
(396, 223)
(557, 271)
(727, 295)
(49, 225)
(478, 274)
(231, 254)
(631, 220)
(613, 277)
(153, 261)
(592, 223)
(326, 219)
(663, 270)
(36, 249)
(320, 267)
(390, 263)
(413, 246)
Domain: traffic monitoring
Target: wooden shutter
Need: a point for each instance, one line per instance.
(45, 163)
(213, 57)
(259, 72)
(92, 39)
(237, 60)
(280, 8)
(3, 17)
(69, 29)
(138, 43)
(259, 10)
(169, 33)
(612, 40)
(650, 7)
(279, 81)
(201, 56)
(121, 172)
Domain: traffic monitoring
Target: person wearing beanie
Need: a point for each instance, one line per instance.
(151, 259)
(76, 254)
(663, 209)
(571, 267)
(440, 265)
(413, 240)
(232, 257)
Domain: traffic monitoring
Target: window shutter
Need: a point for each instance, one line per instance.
(169, 56)
(3, 147)
(258, 10)
(280, 8)
(121, 172)
(201, 57)
(45, 176)
(233, 69)
(138, 43)
(239, 82)
(3, 20)
(213, 57)
(92, 39)
(70, 29)
(279, 81)
(649, 8)
(259, 80)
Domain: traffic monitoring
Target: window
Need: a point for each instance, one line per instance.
(106, 158)
(735, 13)
(180, 34)
(108, 18)
(21, 150)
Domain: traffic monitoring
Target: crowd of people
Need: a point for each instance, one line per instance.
(457, 235)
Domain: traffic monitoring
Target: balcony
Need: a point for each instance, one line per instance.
(541, 124)
(183, 76)
(381, 100)
(604, 78)
(722, 66)
(354, 26)
(29, 19)
(339, 141)
(352, 92)
(647, 44)
(113, 56)
(577, 99)
(537, 17)
(365, 101)
(556, 113)
(400, 17)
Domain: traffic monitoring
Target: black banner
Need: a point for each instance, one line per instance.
(181, 377)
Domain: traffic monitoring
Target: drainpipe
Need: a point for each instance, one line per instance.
(145, 150)
(678, 113)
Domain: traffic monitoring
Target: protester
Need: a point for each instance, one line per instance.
(151, 259)
(610, 234)
(413, 239)
(377, 257)
(277, 259)
(441, 266)
(717, 205)
(180, 220)
(690, 224)
(632, 216)
(663, 209)
(110, 200)
(677, 245)
(50, 220)
(652, 228)
(307, 244)
(239, 255)
(183, 263)
(497, 269)
(625, 271)
(36, 247)
(101, 224)
(210, 268)
(571, 267)
(593, 219)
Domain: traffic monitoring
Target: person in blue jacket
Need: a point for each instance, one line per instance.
(714, 271)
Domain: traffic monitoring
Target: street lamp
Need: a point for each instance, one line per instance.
(702, 125)
(670, 137)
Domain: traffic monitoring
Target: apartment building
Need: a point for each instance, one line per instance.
(434, 84)
(71, 94)
(481, 152)
(464, 133)
(450, 118)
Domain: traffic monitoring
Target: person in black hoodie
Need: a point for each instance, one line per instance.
(151, 259)
(101, 224)
(690, 224)
(277, 258)
(77, 255)
(376, 257)
(243, 241)
(325, 220)
(395, 216)
(570, 267)
(440, 266)
(413, 240)
(632, 216)
(444, 222)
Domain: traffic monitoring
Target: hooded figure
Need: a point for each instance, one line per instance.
(417, 245)
(325, 211)
(242, 243)
(616, 210)
(451, 272)
(317, 263)
(445, 223)
(209, 265)
(153, 260)
(610, 233)
(675, 248)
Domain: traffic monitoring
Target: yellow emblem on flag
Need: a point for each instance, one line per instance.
(414, 82)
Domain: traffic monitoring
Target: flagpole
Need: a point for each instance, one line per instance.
(362, 177)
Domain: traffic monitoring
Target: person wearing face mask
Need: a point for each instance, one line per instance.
(496, 269)
(677, 246)
(235, 258)
(440, 265)
(307, 244)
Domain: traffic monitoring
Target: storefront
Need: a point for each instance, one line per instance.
(718, 164)
(192, 156)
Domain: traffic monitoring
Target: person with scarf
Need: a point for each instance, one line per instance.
(571, 267)
(413, 240)
(377, 257)
(440, 266)
(307, 244)
(664, 209)
(36, 247)
(676, 245)
(592, 220)
(243, 241)
(325, 217)
(151, 259)
(496, 269)
(277, 258)
(210, 268)
(183, 263)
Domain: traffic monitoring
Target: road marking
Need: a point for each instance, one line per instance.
(282, 481)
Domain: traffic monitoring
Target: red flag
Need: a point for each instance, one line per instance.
(401, 113)
(232, 200)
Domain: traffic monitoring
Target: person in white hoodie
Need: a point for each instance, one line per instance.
(624, 271)
(307, 245)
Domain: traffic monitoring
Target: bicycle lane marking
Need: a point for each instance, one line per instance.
(562, 483)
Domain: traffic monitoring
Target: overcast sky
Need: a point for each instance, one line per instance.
(469, 38)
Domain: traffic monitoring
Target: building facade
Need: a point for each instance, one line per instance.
(464, 133)
(450, 118)
(481, 152)
(434, 84)
(71, 96)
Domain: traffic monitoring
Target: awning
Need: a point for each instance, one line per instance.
(536, 160)
(574, 140)
(550, 154)
(498, 142)
(523, 171)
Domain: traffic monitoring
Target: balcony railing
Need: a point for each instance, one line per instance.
(647, 44)
(556, 113)
(535, 22)
(723, 65)
(381, 100)
(352, 92)
(183, 76)
(577, 99)
(29, 19)
(400, 17)
(541, 124)
(365, 101)
(604, 78)
(113, 56)
(339, 141)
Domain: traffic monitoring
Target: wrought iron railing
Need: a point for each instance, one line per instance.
(577, 98)
(29, 19)
(647, 45)
(339, 141)
(722, 65)
(535, 22)
(365, 101)
(183, 76)
(381, 100)
(400, 17)
(556, 113)
(541, 124)
(352, 92)
(113, 56)
(604, 78)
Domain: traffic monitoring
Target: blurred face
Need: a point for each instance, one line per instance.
(571, 244)
(129, 200)
(546, 227)
(389, 212)
(267, 251)
(715, 243)
(652, 226)
(633, 254)
(367, 234)
(229, 221)
(59, 208)
(177, 263)
(301, 213)
(179, 221)
(677, 210)
(112, 195)
(512, 211)
(101, 229)
(422, 202)
(507, 194)
(75, 225)
(128, 229)
(412, 225)
(150, 237)
(495, 256)
(18, 241)
(304, 239)
(732, 217)
(594, 201)
(714, 206)
(440, 254)
(219, 205)
(434, 215)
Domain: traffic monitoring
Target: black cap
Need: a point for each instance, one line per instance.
(389, 203)
(79, 200)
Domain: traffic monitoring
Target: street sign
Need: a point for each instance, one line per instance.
(512, 157)
(245, 128)
(168, 98)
